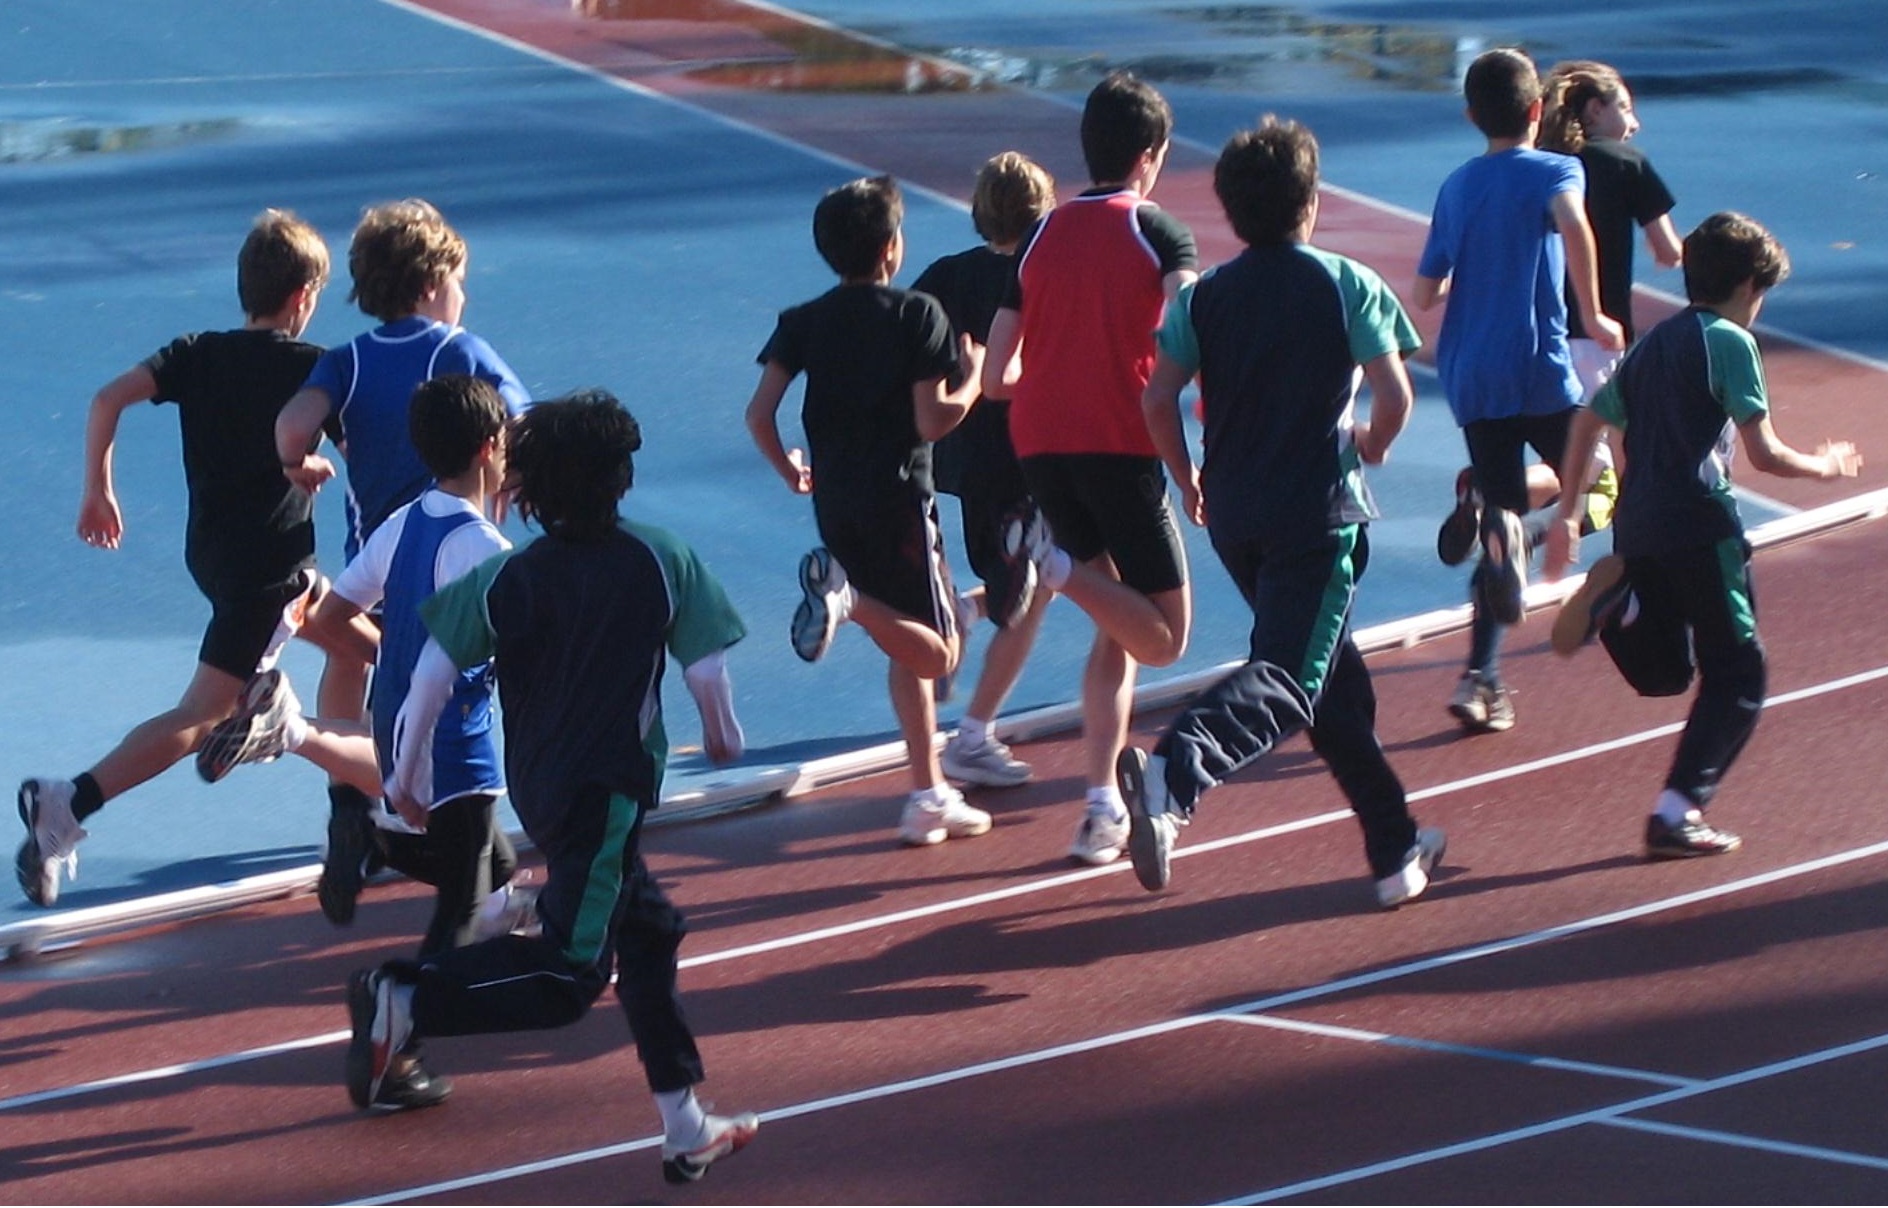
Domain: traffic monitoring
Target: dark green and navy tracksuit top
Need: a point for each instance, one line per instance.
(579, 632)
(1680, 396)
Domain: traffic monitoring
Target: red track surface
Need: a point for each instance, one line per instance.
(913, 1059)
(983, 1023)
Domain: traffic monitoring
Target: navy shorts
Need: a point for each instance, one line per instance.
(1114, 504)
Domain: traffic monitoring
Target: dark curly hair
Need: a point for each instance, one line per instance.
(570, 460)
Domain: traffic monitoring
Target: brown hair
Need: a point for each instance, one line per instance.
(1728, 249)
(402, 250)
(1500, 87)
(280, 255)
(1013, 191)
(1266, 180)
(1570, 87)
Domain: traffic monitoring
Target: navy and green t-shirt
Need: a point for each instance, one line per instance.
(579, 632)
(1278, 336)
(1680, 396)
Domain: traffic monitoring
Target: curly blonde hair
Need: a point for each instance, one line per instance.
(402, 250)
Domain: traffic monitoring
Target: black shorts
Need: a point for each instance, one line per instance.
(892, 551)
(247, 627)
(1497, 452)
(1114, 504)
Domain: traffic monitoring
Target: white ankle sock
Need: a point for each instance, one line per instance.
(1106, 799)
(937, 795)
(682, 1117)
(1054, 569)
(973, 730)
(294, 731)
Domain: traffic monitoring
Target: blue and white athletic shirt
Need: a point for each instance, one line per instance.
(370, 381)
(423, 546)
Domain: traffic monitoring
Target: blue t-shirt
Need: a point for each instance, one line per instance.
(370, 381)
(1502, 350)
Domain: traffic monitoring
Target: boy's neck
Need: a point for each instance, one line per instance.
(473, 486)
(1497, 145)
(874, 279)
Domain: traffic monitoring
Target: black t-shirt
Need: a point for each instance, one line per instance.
(249, 527)
(862, 348)
(970, 286)
(1623, 193)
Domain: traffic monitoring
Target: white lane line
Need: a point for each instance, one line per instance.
(1531, 1060)
(170, 1071)
(1603, 1115)
(1239, 1012)
(1048, 883)
(1746, 1141)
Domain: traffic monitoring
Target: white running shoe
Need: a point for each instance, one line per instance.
(719, 1137)
(1409, 882)
(825, 604)
(1101, 838)
(1153, 822)
(256, 733)
(511, 908)
(925, 823)
(51, 850)
(989, 763)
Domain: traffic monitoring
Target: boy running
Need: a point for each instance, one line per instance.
(1089, 286)
(408, 266)
(1674, 598)
(579, 625)
(250, 540)
(1278, 337)
(877, 360)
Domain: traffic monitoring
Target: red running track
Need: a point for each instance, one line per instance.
(984, 1023)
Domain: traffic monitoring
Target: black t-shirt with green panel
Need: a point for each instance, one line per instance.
(248, 527)
(1679, 397)
(579, 633)
(1278, 336)
(862, 348)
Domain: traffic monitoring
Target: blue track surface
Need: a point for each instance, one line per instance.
(629, 242)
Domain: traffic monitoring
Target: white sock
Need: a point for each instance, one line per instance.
(1673, 807)
(1106, 799)
(294, 731)
(937, 796)
(682, 1118)
(1054, 569)
(968, 613)
(974, 731)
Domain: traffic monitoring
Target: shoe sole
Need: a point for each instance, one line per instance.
(344, 872)
(1691, 853)
(1151, 858)
(1455, 541)
(37, 874)
(815, 568)
(983, 777)
(360, 1049)
(230, 743)
(1574, 627)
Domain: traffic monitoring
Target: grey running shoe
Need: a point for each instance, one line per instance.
(256, 732)
(989, 763)
(1482, 705)
(50, 852)
(823, 605)
(1153, 824)
(1407, 883)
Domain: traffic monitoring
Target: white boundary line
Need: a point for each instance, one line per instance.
(1746, 1141)
(1603, 1115)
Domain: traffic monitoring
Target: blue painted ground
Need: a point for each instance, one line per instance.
(630, 243)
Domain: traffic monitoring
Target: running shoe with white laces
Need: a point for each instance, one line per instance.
(1102, 836)
(50, 852)
(720, 1136)
(256, 732)
(926, 823)
(988, 763)
(825, 604)
(1409, 882)
(1688, 839)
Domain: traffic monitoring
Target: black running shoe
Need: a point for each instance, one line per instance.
(1455, 540)
(351, 845)
(1503, 577)
(1691, 838)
